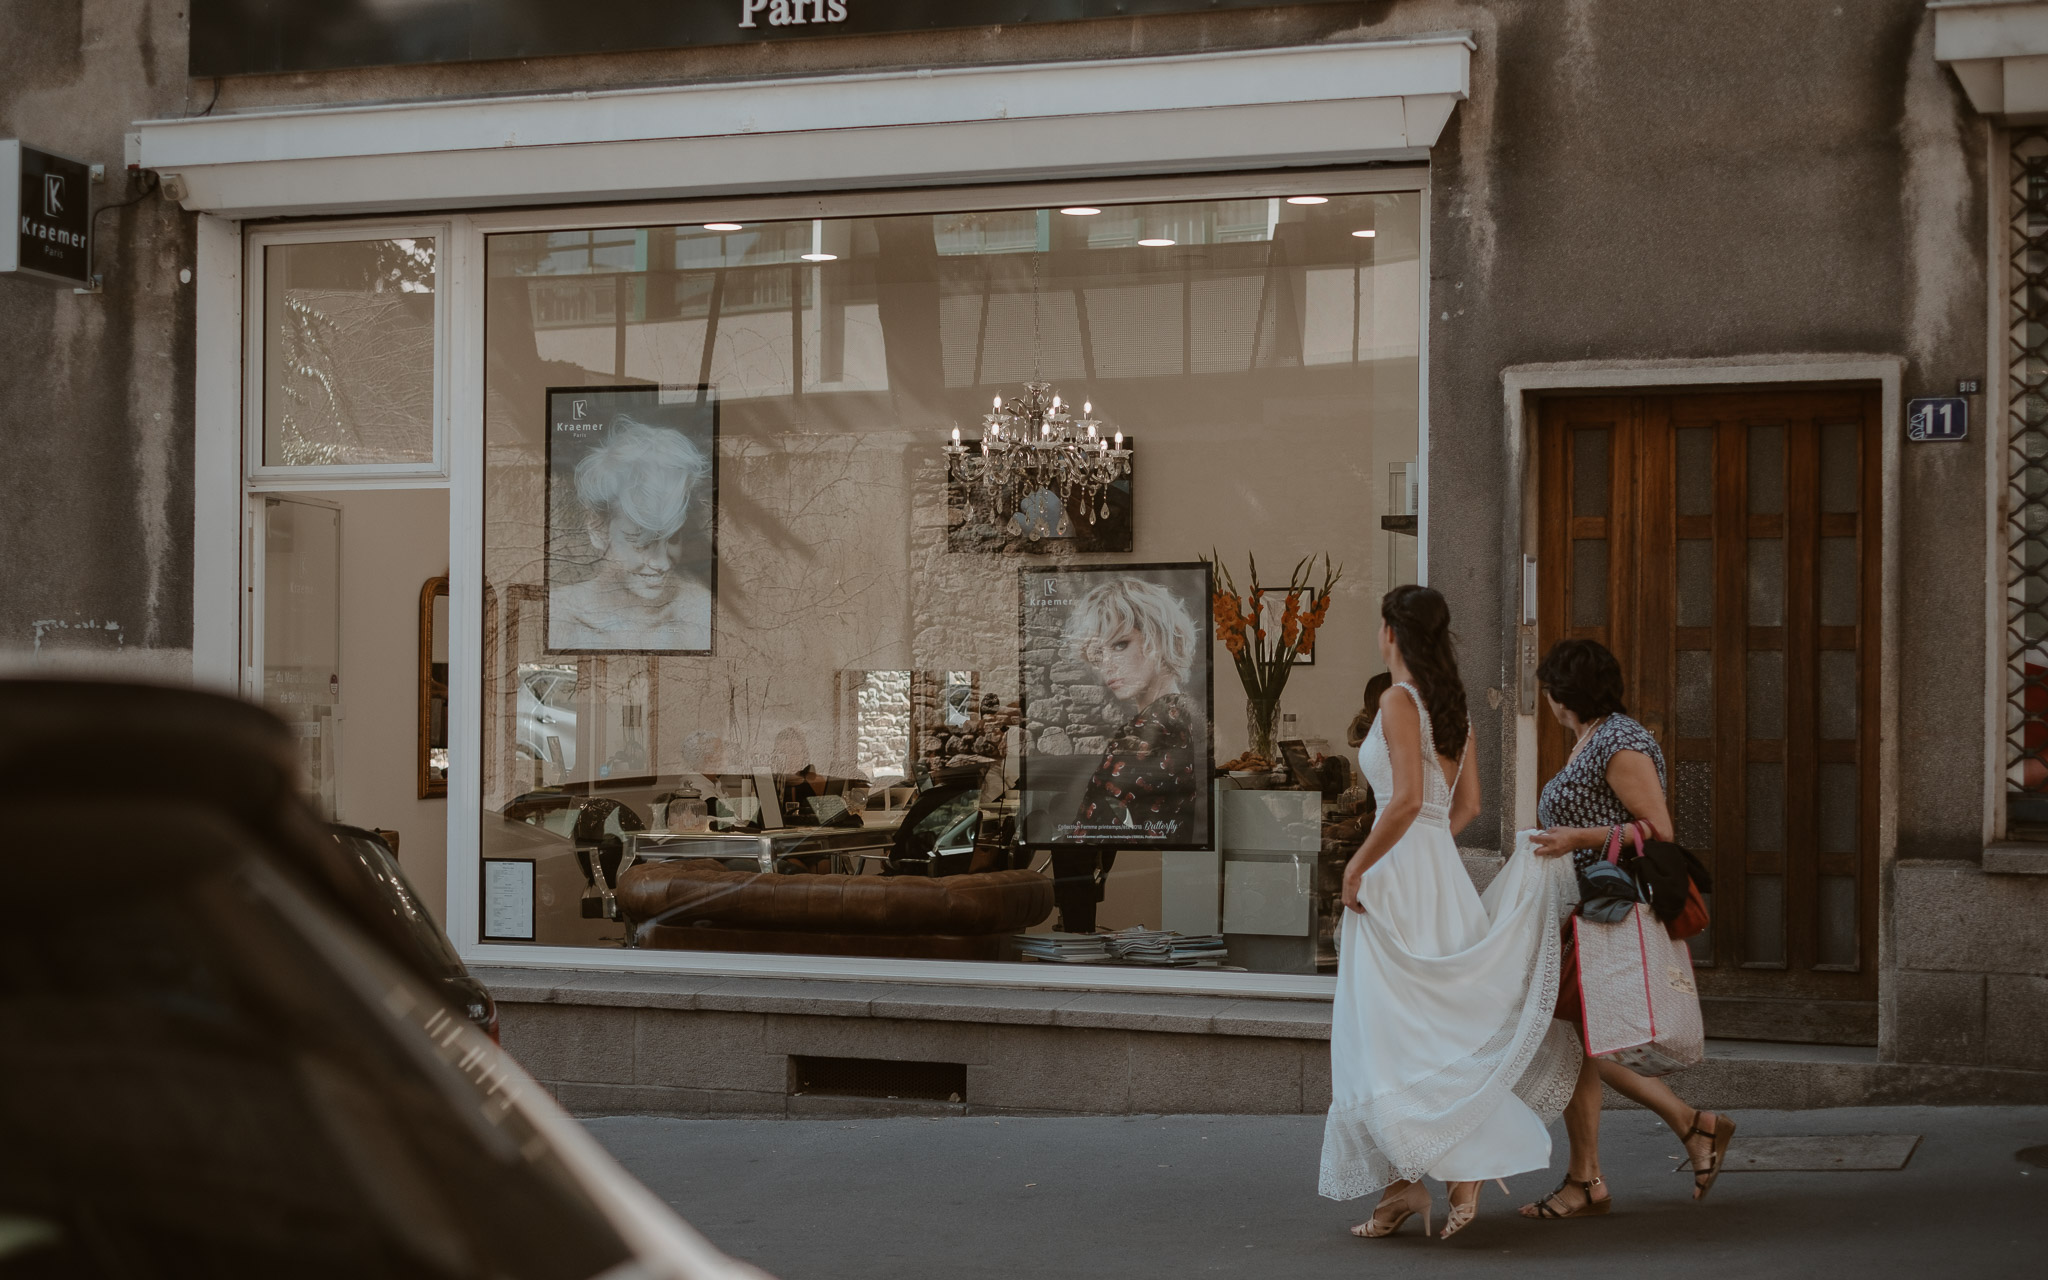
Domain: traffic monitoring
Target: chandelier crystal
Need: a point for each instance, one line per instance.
(1032, 443)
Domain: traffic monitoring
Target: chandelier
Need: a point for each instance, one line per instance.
(1033, 443)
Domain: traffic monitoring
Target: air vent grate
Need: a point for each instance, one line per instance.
(877, 1078)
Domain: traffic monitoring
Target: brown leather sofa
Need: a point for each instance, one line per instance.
(689, 905)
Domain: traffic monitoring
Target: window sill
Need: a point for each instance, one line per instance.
(2013, 858)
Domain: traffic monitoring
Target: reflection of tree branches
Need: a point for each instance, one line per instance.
(355, 352)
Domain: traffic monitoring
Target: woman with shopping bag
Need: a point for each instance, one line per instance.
(1613, 779)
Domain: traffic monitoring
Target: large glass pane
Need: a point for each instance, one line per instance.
(1766, 470)
(301, 635)
(1766, 582)
(1589, 471)
(348, 353)
(1695, 471)
(1589, 582)
(768, 625)
(1695, 582)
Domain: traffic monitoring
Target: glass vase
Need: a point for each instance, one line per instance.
(1261, 725)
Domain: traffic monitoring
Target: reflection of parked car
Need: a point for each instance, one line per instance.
(380, 865)
(547, 714)
(221, 1054)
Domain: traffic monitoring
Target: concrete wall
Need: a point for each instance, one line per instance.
(96, 391)
(1971, 985)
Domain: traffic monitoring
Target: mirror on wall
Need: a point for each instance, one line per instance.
(434, 688)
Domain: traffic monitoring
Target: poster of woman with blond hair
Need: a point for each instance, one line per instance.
(632, 520)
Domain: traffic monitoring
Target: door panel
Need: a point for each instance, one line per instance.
(1725, 548)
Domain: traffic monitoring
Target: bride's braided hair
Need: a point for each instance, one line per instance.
(1422, 630)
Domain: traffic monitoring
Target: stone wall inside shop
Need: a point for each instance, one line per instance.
(882, 724)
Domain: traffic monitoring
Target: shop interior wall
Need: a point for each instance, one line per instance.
(392, 542)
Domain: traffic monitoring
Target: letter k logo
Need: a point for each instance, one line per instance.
(53, 195)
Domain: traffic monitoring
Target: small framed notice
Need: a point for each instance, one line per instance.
(508, 899)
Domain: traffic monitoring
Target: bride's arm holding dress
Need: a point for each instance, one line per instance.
(1401, 725)
(1465, 796)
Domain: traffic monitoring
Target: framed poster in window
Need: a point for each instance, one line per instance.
(632, 519)
(1118, 697)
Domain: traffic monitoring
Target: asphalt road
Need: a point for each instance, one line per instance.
(1167, 1196)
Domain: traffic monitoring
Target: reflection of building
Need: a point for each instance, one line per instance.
(1596, 379)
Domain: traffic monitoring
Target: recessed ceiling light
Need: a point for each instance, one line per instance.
(722, 226)
(1308, 199)
(821, 257)
(1366, 234)
(1080, 211)
(1155, 242)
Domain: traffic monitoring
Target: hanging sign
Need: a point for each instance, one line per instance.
(253, 37)
(46, 207)
(1938, 418)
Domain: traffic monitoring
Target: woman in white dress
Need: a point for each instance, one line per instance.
(1444, 1060)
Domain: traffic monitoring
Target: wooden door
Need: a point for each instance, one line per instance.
(1725, 547)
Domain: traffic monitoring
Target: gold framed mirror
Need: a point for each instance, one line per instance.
(434, 688)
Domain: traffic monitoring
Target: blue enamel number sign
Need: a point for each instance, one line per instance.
(1938, 418)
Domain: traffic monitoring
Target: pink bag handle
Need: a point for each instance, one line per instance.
(1614, 845)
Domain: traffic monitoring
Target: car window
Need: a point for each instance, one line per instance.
(220, 1079)
(379, 863)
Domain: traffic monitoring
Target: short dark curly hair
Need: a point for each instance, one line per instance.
(1585, 677)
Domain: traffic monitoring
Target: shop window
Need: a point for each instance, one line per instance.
(747, 627)
(344, 345)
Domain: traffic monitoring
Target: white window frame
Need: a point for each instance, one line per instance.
(267, 478)
(466, 552)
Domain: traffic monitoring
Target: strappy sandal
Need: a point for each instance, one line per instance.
(1413, 1199)
(1459, 1216)
(1550, 1208)
(1722, 1132)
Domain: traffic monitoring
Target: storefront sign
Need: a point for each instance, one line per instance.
(1938, 418)
(250, 37)
(46, 204)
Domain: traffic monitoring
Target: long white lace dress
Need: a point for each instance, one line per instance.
(1444, 1059)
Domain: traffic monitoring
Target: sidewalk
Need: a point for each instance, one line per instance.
(1166, 1196)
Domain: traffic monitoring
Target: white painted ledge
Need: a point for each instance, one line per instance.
(1999, 51)
(1341, 103)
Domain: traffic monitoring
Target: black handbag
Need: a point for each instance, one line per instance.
(1665, 869)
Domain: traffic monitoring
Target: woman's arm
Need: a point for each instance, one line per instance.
(1465, 798)
(1633, 775)
(1397, 812)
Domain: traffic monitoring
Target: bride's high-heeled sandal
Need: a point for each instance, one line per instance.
(1719, 1137)
(1413, 1199)
(1459, 1216)
(1550, 1208)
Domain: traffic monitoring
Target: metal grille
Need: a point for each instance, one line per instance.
(875, 1078)
(2026, 598)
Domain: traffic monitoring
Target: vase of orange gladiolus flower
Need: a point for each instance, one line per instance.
(1265, 645)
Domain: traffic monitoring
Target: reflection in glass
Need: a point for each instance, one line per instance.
(1838, 470)
(865, 675)
(348, 353)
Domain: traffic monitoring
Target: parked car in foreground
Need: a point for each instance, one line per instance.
(379, 863)
(219, 1055)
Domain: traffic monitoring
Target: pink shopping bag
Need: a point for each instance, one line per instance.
(1636, 988)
